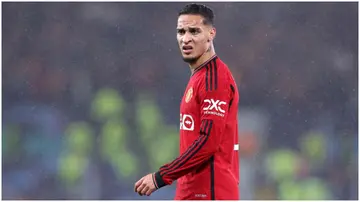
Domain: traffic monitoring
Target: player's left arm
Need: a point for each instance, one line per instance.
(215, 97)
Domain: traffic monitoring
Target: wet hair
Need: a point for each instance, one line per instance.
(199, 9)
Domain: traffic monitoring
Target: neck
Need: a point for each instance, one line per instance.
(203, 58)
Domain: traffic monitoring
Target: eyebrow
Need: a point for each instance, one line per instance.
(195, 28)
(182, 28)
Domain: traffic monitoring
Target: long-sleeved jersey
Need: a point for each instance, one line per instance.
(208, 165)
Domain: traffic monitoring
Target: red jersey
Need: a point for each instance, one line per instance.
(208, 165)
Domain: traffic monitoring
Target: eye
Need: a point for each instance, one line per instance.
(181, 31)
(194, 31)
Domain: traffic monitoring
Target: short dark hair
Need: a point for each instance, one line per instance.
(199, 9)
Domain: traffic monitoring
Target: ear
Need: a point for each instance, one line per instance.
(212, 33)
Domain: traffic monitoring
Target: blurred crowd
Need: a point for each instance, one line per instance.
(91, 95)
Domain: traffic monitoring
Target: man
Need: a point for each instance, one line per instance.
(208, 167)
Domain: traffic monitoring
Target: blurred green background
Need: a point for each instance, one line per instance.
(91, 95)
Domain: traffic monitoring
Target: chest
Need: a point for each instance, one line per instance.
(190, 108)
(190, 102)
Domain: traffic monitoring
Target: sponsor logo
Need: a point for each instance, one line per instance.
(189, 95)
(186, 122)
(215, 107)
(200, 195)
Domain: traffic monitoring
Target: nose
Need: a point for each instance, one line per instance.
(187, 38)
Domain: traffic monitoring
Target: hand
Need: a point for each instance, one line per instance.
(145, 186)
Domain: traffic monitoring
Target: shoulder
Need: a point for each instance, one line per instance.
(213, 82)
(214, 76)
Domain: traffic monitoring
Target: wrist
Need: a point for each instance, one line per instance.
(158, 180)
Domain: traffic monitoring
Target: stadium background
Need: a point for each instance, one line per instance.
(91, 95)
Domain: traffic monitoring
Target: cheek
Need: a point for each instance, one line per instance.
(203, 40)
(178, 38)
(201, 44)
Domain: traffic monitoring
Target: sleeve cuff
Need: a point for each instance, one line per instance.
(158, 181)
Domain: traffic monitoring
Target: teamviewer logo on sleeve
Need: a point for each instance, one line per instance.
(186, 122)
(215, 107)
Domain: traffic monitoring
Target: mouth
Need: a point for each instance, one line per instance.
(187, 49)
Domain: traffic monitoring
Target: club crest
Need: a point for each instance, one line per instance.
(189, 95)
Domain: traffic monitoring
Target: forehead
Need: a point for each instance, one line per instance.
(190, 21)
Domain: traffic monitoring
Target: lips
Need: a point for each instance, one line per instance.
(187, 49)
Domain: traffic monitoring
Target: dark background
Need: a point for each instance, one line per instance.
(91, 95)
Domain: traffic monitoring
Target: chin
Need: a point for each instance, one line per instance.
(190, 59)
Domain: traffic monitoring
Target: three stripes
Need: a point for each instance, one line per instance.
(211, 78)
(205, 129)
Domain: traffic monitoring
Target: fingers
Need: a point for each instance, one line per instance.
(149, 192)
(144, 191)
(140, 188)
(145, 186)
(138, 183)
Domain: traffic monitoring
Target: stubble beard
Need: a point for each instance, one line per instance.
(193, 60)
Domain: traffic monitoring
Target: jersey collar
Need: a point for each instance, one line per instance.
(204, 64)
